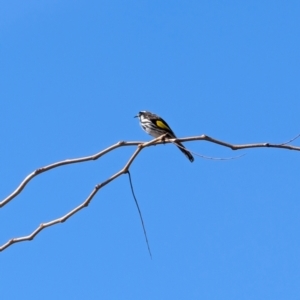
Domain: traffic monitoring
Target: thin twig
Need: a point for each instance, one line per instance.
(291, 140)
(51, 223)
(218, 158)
(140, 213)
(209, 157)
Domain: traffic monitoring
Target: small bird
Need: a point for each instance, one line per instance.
(156, 126)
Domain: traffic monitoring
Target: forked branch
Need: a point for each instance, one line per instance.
(140, 146)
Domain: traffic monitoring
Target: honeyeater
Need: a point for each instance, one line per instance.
(156, 126)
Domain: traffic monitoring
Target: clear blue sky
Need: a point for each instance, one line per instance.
(73, 75)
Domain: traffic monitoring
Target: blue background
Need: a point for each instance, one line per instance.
(73, 75)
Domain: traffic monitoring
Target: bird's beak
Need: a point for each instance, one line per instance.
(135, 116)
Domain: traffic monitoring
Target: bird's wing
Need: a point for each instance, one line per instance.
(161, 123)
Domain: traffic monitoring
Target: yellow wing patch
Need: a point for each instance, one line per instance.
(162, 125)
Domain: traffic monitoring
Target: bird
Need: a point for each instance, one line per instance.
(156, 126)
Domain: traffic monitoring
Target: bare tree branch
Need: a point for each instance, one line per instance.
(144, 145)
(62, 163)
(85, 203)
(124, 170)
(236, 146)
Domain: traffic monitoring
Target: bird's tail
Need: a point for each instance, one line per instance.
(185, 152)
